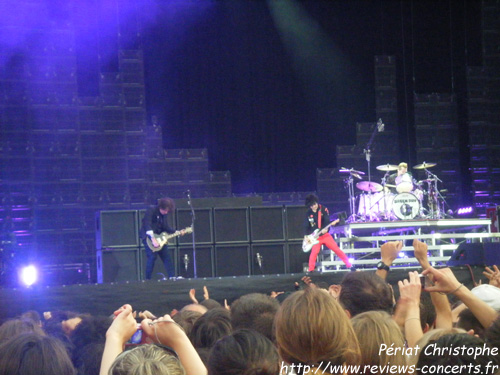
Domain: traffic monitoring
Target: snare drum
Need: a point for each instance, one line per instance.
(404, 183)
(405, 206)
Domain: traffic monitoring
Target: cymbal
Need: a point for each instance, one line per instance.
(345, 170)
(387, 167)
(369, 186)
(424, 165)
(390, 185)
(356, 175)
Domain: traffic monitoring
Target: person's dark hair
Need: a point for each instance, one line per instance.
(166, 203)
(14, 327)
(210, 303)
(90, 332)
(311, 199)
(88, 360)
(427, 311)
(210, 327)
(492, 334)
(186, 319)
(31, 353)
(244, 352)
(467, 321)
(431, 356)
(255, 311)
(365, 291)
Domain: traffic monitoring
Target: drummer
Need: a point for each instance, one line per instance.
(399, 178)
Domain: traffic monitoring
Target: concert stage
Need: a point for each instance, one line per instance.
(161, 297)
(361, 241)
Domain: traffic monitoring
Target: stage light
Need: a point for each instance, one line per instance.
(351, 260)
(465, 210)
(402, 254)
(28, 275)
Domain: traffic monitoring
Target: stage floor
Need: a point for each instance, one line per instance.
(160, 297)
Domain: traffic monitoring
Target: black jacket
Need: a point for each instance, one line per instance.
(311, 221)
(155, 221)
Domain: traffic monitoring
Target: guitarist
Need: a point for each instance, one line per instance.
(317, 218)
(155, 221)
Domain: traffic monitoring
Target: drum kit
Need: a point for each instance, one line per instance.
(398, 197)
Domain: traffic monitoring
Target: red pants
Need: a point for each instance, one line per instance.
(330, 243)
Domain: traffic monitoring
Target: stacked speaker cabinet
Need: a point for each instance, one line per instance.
(295, 216)
(204, 261)
(232, 260)
(231, 225)
(117, 229)
(267, 224)
(268, 258)
(296, 257)
(203, 226)
(116, 265)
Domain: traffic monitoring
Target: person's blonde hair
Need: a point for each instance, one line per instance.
(312, 327)
(374, 328)
(148, 359)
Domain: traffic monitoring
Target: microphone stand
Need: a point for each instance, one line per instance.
(193, 218)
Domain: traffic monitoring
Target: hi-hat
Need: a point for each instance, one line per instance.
(369, 186)
(424, 165)
(387, 167)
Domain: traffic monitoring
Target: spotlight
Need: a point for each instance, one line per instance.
(465, 210)
(402, 254)
(351, 260)
(28, 275)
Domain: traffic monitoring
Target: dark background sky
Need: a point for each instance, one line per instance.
(270, 88)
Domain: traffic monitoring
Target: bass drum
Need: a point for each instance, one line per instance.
(405, 206)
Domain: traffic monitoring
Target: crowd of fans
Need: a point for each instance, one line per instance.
(357, 327)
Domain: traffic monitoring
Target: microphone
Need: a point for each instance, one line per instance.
(380, 125)
(259, 260)
(186, 262)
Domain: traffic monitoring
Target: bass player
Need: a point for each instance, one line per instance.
(155, 222)
(318, 218)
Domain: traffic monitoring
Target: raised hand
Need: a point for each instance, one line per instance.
(192, 295)
(389, 251)
(493, 275)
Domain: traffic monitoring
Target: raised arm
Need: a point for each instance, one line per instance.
(121, 330)
(409, 307)
(440, 301)
(388, 253)
(446, 282)
(165, 331)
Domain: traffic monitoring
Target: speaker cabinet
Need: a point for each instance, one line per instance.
(476, 254)
(159, 271)
(295, 216)
(117, 265)
(232, 260)
(204, 261)
(231, 225)
(267, 224)
(268, 258)
(117, 229)
(297, 259)
(203, 227)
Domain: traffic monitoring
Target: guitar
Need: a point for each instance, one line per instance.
(312, 239)
(163, 238)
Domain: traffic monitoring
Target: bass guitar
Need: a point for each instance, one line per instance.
(163, 238)
(312, 239)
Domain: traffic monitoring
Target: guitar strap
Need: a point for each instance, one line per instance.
(319, 216)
